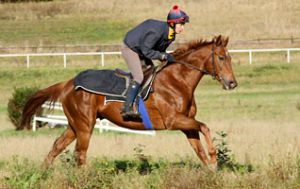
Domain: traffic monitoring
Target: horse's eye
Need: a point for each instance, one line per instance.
(221, 58)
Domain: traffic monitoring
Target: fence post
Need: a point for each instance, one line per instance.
(102, 59)
(34, 124)
(65, 60)
(288, 56)
(250, 56)
(27, 61)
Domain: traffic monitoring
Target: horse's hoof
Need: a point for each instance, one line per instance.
(213, 167)
(45, 166)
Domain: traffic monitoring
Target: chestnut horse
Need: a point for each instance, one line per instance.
(171, 106)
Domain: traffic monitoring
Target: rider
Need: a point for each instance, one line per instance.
(149, 40)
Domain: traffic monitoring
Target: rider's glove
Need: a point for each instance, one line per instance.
(168, 57)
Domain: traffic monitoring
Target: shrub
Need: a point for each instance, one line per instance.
(17, 102)
(226, 160)
(26, 174)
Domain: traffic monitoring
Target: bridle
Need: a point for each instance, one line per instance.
(204, 71)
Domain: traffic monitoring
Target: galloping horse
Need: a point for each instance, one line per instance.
(171, 106)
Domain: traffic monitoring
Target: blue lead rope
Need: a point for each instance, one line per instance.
(145, 117)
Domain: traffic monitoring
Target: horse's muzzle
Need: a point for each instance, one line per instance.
(229, 84)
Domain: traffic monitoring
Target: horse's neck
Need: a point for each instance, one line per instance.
(182, 75)
(189, 75)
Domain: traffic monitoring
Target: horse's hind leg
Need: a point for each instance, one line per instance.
(83, 128)
(59, 145)
(82, 144)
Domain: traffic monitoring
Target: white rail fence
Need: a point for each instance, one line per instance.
(102, 125)
(103, 54)
(64, 55)
(251, 51)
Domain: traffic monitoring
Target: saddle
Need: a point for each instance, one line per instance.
(147, 73)
(146, 86)
(113, 84)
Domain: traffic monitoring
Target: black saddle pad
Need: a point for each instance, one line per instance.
(104, 82)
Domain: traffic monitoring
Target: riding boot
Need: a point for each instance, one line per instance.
(127, 109)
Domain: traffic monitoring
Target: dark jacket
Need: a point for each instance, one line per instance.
(149, 39)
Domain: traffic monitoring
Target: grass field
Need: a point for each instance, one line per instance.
(261, 118)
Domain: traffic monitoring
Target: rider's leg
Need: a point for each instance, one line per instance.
(134, 63)
(127, 110)
(135, 67)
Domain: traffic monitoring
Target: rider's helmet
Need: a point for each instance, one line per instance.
(177, 16)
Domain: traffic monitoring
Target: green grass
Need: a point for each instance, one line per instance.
(63, 31)
(144, 172)
(265, 91)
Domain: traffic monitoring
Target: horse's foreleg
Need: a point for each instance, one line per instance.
(59, 145)
(184, 123)
(194, 139)
(205, 131)
(211, 148)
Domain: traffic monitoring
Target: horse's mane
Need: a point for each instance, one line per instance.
(195, 44)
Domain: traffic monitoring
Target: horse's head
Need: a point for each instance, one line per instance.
(209, 57)
(219, 64)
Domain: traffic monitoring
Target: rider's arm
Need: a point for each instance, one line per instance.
(149, 43)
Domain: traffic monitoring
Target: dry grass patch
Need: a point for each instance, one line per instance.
(250, 141)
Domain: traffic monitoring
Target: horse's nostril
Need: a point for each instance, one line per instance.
(232, 84)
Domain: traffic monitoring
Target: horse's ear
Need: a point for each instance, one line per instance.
(214, 40)
(217, 40)
(225, 42)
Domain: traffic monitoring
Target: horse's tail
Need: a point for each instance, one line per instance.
(36, 100)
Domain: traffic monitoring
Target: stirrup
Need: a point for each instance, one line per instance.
(131, 115)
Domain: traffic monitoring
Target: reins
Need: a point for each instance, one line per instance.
(199, 69)
(192, 66)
